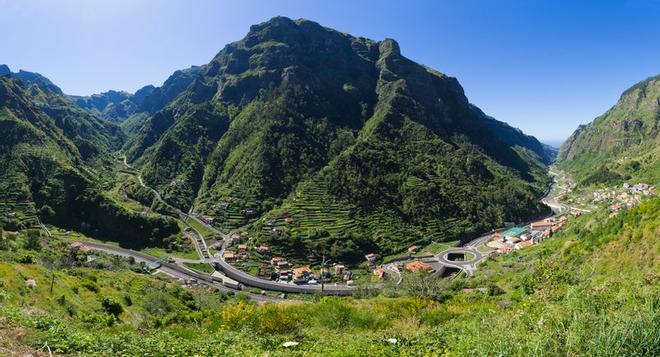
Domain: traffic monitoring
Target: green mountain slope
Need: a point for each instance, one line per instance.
(93, 137)
(621, 144)
(50, 154)
(294, 105)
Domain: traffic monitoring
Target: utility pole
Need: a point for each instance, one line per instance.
(322, 280)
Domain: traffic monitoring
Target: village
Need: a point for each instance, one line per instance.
(258, 259)
(517, 238)
(626, 196)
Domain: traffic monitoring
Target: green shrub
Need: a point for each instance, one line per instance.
(26, 258)
(91, 286)
(112, 306)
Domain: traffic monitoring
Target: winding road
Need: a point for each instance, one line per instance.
(468, 266)
(172, 270)
(234, 273)
(219, 264)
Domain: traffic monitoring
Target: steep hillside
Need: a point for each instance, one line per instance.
(621, 144)
(387, 141)
(47, 153)
(94, 138)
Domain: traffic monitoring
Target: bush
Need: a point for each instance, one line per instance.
(46, 212)
(128, 300)
(26, 258)
(91, 286)
(33, 240)
(112, 306)
(237, 316)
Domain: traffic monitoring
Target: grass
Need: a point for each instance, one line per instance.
(203, 267)
(483, 249)
(589, 291)
(437, 247)
(202, 229)
(161, 252)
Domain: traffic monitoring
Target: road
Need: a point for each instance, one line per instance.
(441, 259)
(234, 273)
(172, 270)
(554, 201)
(468, 266)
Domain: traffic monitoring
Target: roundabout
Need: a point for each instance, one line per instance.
(471, 257)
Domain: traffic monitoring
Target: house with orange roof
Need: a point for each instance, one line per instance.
(229, 256)
(301, 275)
(418, 265)
(79, 247)
(523, 245)
(380, 273)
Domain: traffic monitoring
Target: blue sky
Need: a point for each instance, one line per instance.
(542, 66)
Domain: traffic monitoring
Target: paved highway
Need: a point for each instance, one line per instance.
(469, 267)
(171, 269)
(251, 280)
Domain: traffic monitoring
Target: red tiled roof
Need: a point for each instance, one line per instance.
(418, 265)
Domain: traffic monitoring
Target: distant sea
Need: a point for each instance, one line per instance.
(554, 143)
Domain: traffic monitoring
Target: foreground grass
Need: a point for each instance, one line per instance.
(592, 291)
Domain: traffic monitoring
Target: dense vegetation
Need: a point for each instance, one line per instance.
(372, 138)
(324, 144)
(621, 144)
(592, 290)
(53, 155)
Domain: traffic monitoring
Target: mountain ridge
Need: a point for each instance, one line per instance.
(622, 143)
(285, 104)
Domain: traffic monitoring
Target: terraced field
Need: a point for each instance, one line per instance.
(311, 209)
(236, 213)
(22, 214)
(312, 212)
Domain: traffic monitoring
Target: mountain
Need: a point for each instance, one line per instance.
(622, 144)
(53, 155)
(112, 105)
(94, 138)
(35, 79)
(131, 110)
(363, 148)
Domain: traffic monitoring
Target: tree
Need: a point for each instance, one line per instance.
(426, 287)
(112, 306)
(46, 212)
(4, 243)
(33, 240)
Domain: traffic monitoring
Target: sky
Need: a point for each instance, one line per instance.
(541, 66)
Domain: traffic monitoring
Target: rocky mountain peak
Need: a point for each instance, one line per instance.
(389, 47)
